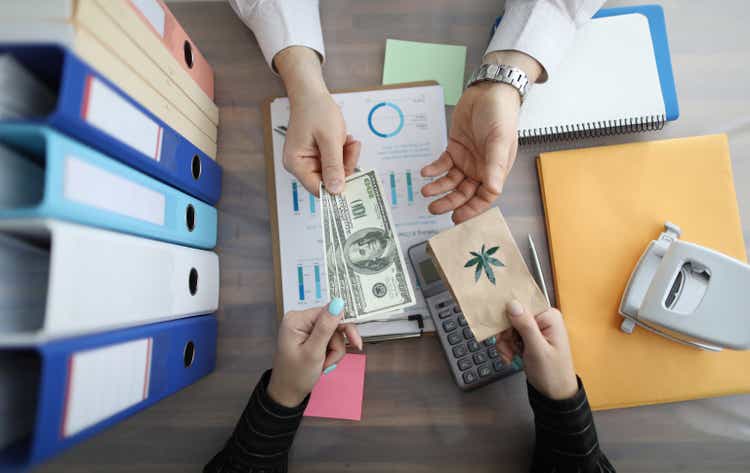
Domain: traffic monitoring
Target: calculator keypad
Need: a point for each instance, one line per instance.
(459, 351)
(474, 362)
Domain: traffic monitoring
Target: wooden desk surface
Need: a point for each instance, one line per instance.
(414, 418)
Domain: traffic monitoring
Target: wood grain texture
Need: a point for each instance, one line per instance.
(414, 418)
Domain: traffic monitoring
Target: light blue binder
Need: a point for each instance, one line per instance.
(44, 174)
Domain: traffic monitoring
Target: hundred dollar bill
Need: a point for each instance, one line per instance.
(331, 274)
(367, 256)
(334, 264)
(334, 271)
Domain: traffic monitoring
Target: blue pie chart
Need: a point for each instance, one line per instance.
(385, 119)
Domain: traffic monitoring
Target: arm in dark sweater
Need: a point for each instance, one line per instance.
(566, 438)
(262, 438)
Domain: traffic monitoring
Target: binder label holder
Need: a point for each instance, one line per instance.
(107, 111)
(90, 185)
(94, 391)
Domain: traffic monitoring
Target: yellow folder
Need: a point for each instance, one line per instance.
(603, 206)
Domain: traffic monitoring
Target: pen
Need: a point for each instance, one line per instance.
(538, 269)
(539, 277)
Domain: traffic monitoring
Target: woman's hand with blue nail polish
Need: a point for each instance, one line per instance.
(542, 343)
(310, 341)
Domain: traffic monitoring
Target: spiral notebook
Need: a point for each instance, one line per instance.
(616, 78)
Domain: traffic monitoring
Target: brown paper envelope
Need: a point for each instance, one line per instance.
(482, 301)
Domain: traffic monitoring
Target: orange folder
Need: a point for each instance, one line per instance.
(603, 206)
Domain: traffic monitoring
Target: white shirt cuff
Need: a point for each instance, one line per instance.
(278, 25)
(540, 29)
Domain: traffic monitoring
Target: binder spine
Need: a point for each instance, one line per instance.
(155, 14)
(144, 142)
(177, 354)
(591, 129)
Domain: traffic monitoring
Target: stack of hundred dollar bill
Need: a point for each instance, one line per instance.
(364, 262)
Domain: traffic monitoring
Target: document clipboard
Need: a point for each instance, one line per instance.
(272, 191)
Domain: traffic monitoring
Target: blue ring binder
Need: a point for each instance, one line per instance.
(173, 158)
(166, 373)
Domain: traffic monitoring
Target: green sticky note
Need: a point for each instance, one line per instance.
(410, 61)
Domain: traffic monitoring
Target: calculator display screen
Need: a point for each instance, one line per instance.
(429, 272)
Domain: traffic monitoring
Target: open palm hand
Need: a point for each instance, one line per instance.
(482, 146)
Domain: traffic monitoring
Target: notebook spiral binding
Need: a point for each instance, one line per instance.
(591, 129)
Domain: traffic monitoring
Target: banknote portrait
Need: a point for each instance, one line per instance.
(369, 251)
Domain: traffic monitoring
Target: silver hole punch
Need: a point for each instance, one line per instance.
(689, 294)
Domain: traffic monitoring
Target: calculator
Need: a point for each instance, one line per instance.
(474, 363)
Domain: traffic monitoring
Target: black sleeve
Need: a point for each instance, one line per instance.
(262, 438)
(565, 435)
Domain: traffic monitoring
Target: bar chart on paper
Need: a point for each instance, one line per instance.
(303, 202)
(403, 187)
(310, 282)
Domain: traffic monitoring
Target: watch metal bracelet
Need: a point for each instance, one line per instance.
(501, 73)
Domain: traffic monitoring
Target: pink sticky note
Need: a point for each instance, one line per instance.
(338, 394)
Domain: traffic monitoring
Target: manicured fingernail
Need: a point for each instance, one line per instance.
(517, 362)
(336, 306)
(329, 369)
(515, 308)
(334, 185)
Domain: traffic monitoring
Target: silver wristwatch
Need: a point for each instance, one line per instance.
(503, 73)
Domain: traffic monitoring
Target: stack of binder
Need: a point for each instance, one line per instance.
(107, 186)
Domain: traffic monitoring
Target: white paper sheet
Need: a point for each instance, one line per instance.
(401, 130)
(609, 73)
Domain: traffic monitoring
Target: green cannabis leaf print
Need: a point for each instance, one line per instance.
(484, 262)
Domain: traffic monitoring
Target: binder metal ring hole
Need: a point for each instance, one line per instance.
(197, 168)
(190, 217)
(187, 48)
(188, 355)
(193, 281)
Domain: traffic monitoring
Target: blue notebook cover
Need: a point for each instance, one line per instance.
(658, 28)
(58, 177)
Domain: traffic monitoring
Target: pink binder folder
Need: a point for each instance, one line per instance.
(162, 22)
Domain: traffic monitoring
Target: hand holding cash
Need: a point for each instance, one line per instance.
(364, 262)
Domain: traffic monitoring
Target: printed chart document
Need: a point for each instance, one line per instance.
(401, 130)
